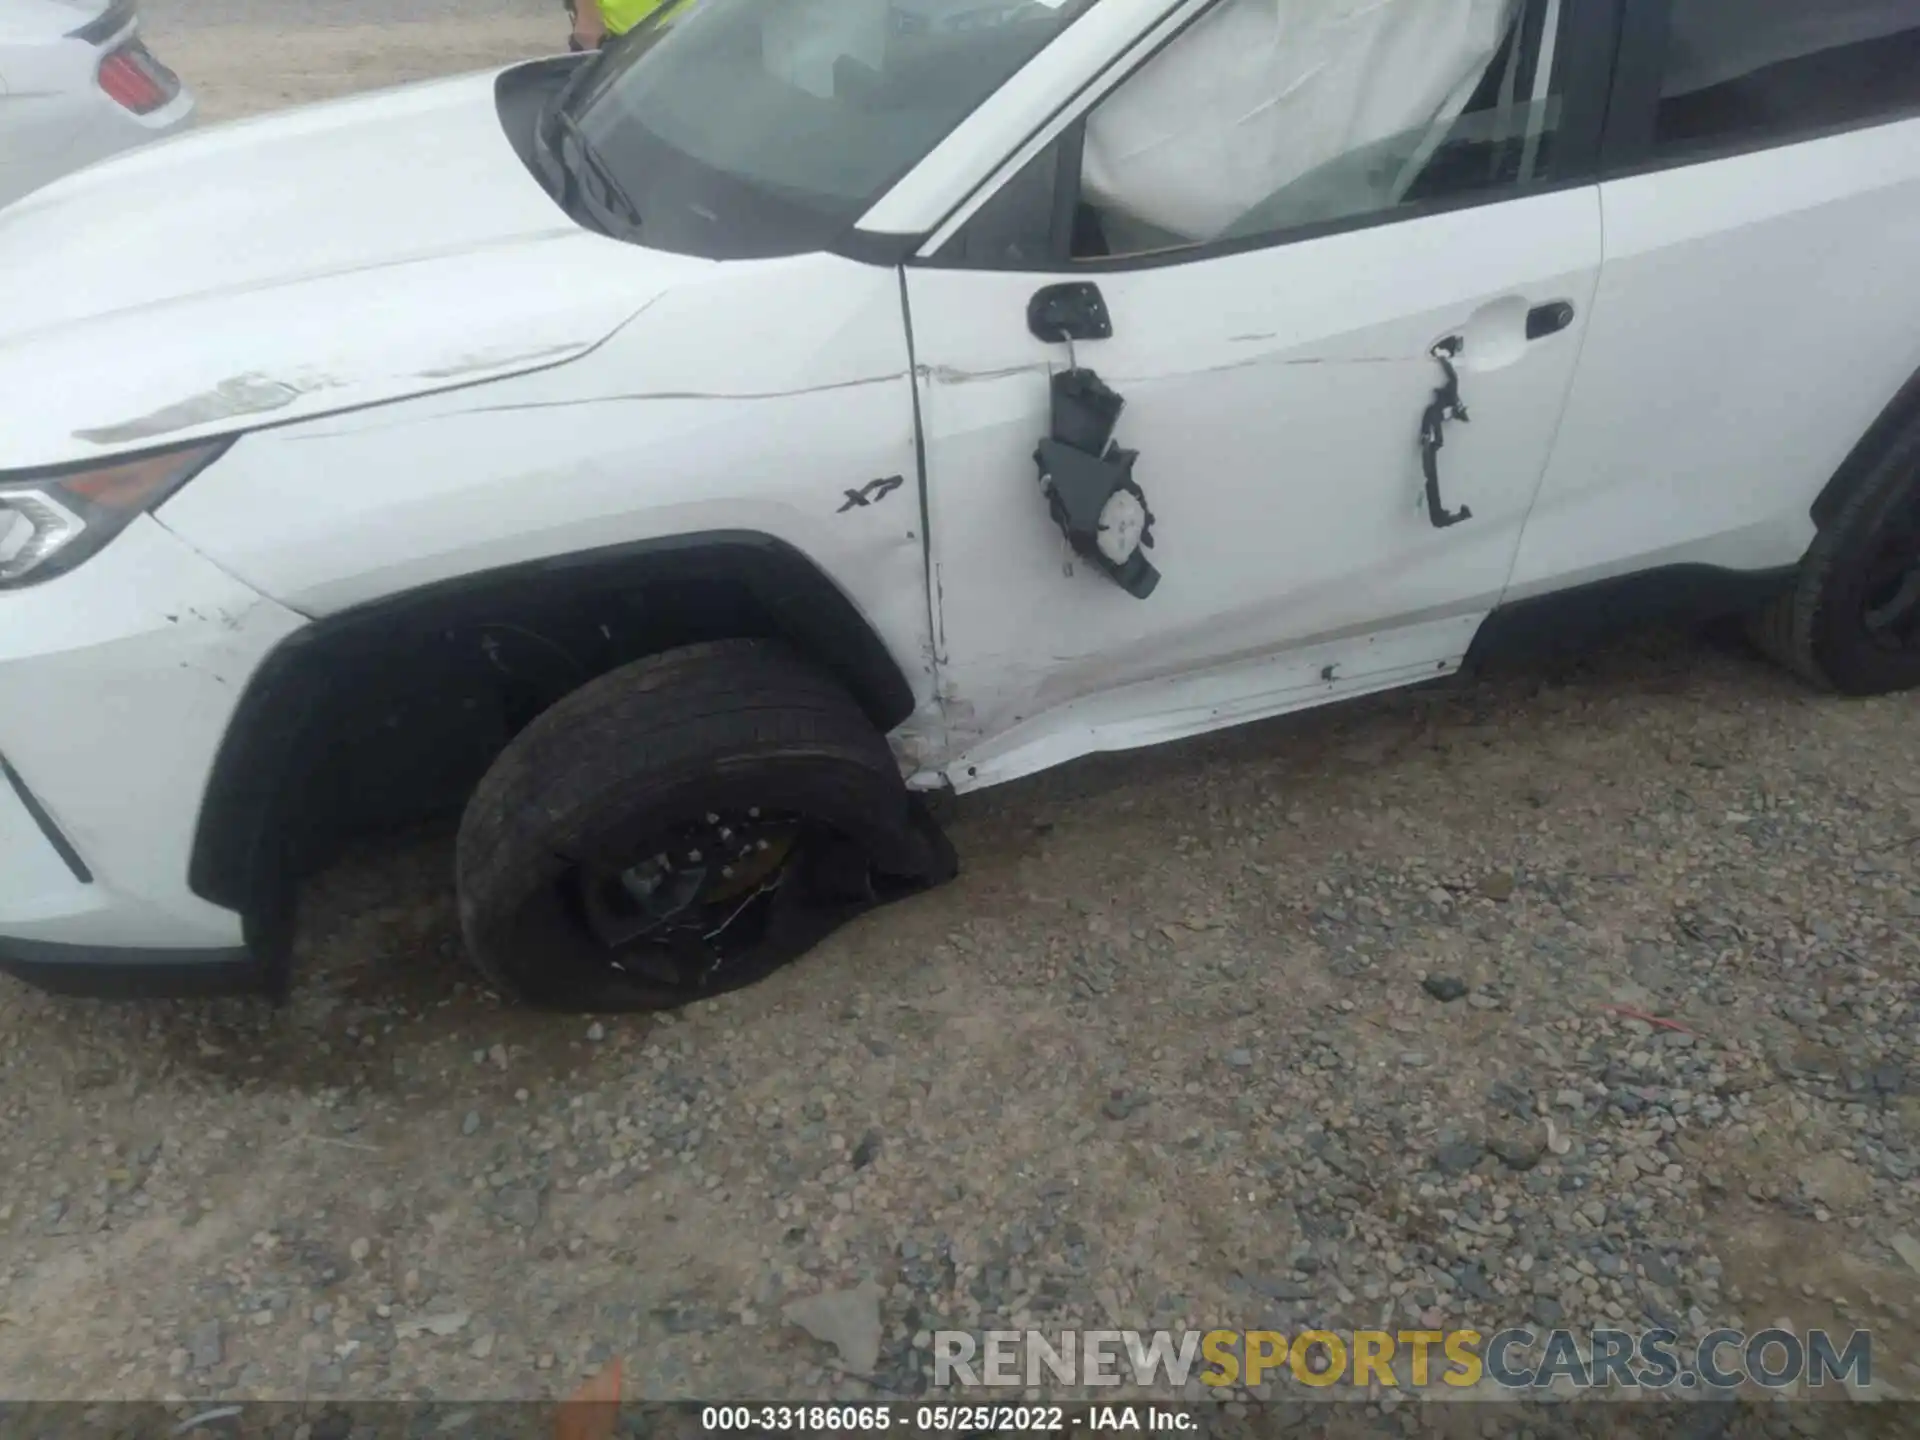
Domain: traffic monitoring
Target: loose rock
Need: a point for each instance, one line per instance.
(848, 1320)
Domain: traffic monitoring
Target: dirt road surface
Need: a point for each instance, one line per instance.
(1578, 996)
(241, 56)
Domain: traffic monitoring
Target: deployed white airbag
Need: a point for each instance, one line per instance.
(1259, 93)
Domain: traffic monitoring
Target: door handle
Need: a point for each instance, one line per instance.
(1072, 311)
(1549, 319)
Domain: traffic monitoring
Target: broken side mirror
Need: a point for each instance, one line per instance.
(1084, 411)
(1089, 484)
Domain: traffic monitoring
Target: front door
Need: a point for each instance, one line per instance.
(1275, 297)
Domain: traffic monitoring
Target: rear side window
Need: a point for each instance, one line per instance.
(1756, 72)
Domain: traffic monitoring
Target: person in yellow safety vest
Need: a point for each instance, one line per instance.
(597, 21)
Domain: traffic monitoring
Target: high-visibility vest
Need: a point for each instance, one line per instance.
(621, 16)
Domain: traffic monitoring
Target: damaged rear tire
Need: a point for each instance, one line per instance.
(681, 827)
(1851, 621)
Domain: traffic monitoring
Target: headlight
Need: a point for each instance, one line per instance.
(51, 520)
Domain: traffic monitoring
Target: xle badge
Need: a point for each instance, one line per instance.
(871, 491)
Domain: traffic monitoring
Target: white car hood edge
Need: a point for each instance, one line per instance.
(294, 266)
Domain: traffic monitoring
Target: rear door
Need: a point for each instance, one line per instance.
(1759, 305)
(1273, 340)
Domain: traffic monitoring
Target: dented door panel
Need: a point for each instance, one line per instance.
(1275, 399)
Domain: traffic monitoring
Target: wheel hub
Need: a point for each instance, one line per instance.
(693, 880)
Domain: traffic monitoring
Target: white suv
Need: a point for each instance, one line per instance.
(674, 459)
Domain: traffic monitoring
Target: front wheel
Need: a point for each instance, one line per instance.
(1851, 622)
(681, 827)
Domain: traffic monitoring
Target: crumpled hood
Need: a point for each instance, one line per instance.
(306, 262)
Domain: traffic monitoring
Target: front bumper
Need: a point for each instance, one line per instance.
(117, 682)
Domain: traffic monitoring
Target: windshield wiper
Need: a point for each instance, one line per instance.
(566, 166)
(622, 207)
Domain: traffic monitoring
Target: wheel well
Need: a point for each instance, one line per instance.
(1901, 412)
(386, 715)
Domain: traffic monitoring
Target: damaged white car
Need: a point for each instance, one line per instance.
(674, 460)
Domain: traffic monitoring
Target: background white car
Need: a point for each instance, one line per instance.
(669, 461)
(77, 84)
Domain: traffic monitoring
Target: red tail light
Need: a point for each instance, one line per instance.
(135, 80)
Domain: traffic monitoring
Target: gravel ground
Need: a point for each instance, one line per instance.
(241, 59)
(1581, 995)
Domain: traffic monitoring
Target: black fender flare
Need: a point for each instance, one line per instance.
(1901, 412)
(242, 857)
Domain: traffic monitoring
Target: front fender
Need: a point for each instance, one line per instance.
(699, 475)
(388, 712)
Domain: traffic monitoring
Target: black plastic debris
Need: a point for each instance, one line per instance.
(1446, 406)
(1089, 485)
(1085, 411)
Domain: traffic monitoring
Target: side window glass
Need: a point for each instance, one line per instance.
(1767, 70)
(1268, 116)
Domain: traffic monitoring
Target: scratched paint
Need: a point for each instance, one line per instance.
(731, 395)
(242, 396)
(496, 360)
(951, 375)
(696, 417)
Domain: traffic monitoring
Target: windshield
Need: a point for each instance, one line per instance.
(768, 127)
